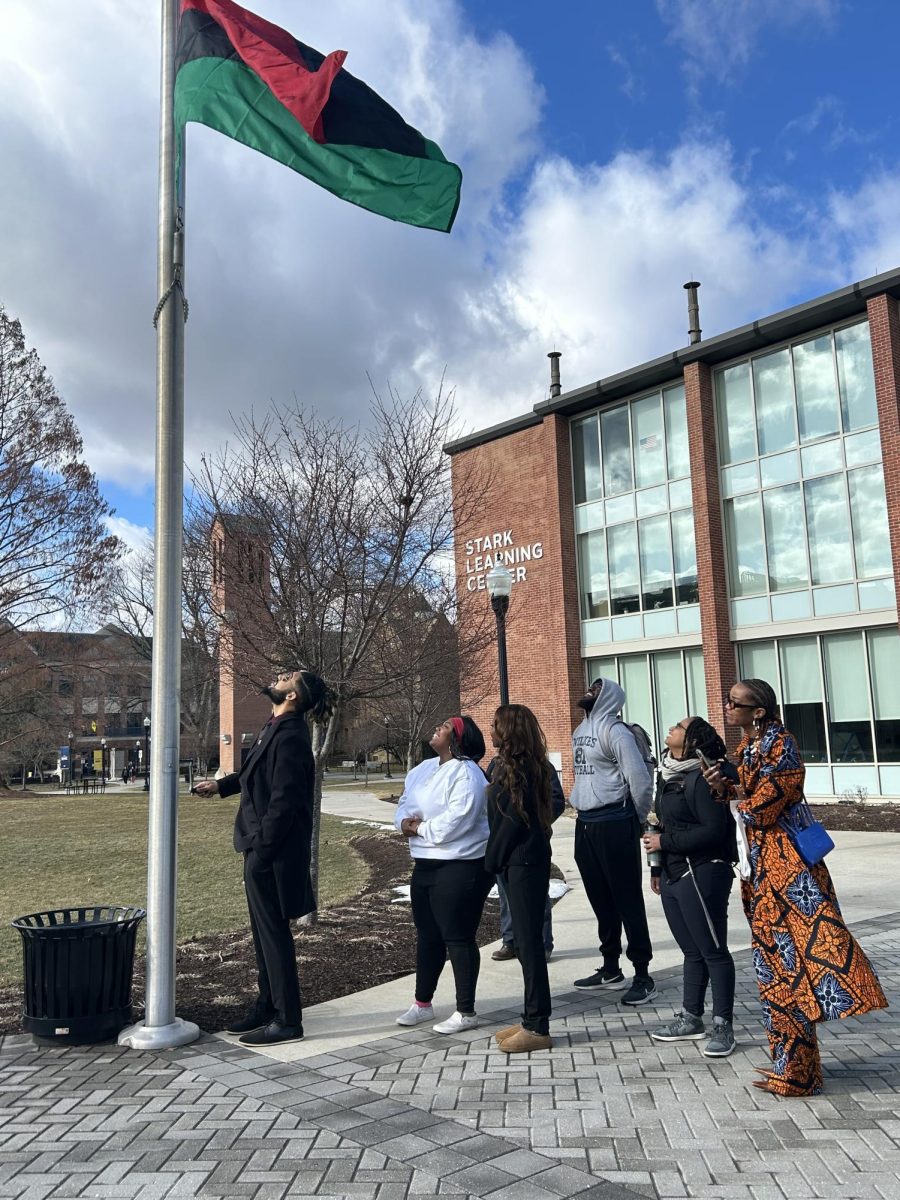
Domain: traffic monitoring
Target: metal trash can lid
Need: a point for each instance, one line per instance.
(91, 916)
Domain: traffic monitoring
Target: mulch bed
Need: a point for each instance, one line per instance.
(353, 946)
(864, 818)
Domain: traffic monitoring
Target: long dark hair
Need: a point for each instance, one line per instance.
(763, 696)
(700, 735)
(320, 696)
(470, 745)
(521, 767)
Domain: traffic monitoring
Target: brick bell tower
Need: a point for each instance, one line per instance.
(240, 573)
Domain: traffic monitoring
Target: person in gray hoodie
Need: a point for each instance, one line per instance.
(612, 796)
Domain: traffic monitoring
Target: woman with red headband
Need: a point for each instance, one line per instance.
(443, 812)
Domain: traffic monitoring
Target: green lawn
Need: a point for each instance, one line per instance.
(64, 851)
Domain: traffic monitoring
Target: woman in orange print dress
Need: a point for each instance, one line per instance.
(808, 966)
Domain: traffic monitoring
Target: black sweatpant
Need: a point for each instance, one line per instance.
(276, 962)
(707, 958)
(608, 856)
(447, 901)
(526, 892)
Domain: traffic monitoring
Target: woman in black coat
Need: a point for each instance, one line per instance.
(520, 813)
(696, 841)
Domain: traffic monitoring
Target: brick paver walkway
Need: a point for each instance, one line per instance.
(606, 1114)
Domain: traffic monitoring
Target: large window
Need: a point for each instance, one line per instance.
(840, 698)
(805, 514)
(636, 548)
(660, 689)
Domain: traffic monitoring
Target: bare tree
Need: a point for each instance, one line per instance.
(55, 550)
(355, 519)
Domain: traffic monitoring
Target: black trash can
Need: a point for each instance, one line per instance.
(78, 968)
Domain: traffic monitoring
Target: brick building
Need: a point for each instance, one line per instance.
(729, 509)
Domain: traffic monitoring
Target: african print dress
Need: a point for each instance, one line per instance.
(808, 966)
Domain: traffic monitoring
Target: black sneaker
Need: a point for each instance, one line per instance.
(255, 1019)
(642, 991)
(604, 979)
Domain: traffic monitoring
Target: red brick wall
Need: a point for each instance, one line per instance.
(530, 495)
(719, 657)
(884, 330)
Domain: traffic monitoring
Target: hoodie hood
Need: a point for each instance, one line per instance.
(608, 704)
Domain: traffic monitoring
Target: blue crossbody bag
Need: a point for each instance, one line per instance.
(809, 837)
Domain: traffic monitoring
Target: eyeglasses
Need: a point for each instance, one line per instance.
(729, 703)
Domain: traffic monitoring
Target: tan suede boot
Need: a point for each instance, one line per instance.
(525, 1041)
(502, 1034)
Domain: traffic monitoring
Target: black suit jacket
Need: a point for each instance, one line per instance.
(275, 819)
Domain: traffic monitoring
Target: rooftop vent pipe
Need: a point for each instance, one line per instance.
(555, 386)
(694, 330)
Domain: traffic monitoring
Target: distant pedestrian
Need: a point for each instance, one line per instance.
(273, 831)
(520, 814)
(443, 812)
(612, 796)
(696, 841)
(808, 966)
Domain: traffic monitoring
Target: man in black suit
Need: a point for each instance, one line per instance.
(273, 830)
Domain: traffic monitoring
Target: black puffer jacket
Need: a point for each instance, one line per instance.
(694, 825)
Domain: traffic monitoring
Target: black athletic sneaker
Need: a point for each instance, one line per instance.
(642, 991)
(604, 979)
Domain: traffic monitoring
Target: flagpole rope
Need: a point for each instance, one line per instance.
(176, 284)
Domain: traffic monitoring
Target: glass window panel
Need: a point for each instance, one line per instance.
(696, 683)
(780, 468)
(586, 460)
(774, 401)
(804, 715)
(649, 442)
(616, 448)
(884, 663)
(785, 548)
(634, 676)
(677, 450)
(671, 702)
(620, 509)
(828, 527)
(654, 500)
(817, 402)
(623, 570)
(600, 668)
(871, 536)
(822, 458)
(743, 478)
(847, 691)
(758, 662)
(863, 448)
(746, 554)
(857, 379)
(592, 568)
(656, 563)
(737, 438)
(684, 545)
(680, 494)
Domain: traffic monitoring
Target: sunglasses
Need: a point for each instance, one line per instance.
(729, 703)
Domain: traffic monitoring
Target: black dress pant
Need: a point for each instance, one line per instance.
(707, 958)
(526, 892)
(608, 855)
(448, 897)
(276, 961)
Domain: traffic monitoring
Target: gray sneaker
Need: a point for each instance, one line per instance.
(721, 1040)
(684, 1028)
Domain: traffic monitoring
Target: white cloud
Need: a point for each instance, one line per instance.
(134, 537)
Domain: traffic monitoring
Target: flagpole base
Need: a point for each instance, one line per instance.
(159, 1037)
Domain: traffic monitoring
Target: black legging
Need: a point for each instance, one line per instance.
(447, 901)
(704, 961)
(526, 890)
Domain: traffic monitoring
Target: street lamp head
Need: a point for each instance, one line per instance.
(103, 743)
(387, 721)
(71, 735)
(499, 581)
(146, 722)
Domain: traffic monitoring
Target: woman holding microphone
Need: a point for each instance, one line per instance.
(443, 812)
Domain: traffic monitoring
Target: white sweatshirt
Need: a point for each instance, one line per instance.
(452, 802)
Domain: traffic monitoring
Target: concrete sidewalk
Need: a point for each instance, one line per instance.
(365, 1109)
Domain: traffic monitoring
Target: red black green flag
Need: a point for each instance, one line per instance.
(254, 82)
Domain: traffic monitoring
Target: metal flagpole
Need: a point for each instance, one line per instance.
(161, 1028)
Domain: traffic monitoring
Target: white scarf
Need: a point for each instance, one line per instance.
(670, 767)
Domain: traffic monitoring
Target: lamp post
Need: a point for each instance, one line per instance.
(71, 760)
(499, 584)
(103, 759)
(146, 754)
(387, 749)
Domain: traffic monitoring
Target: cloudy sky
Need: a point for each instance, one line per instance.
(610, 152)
